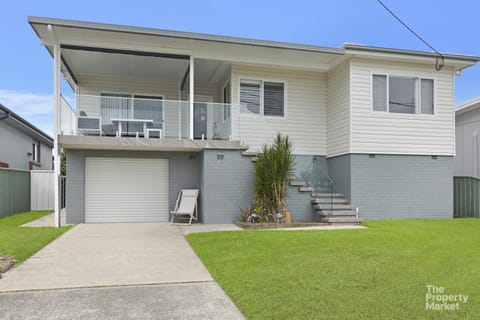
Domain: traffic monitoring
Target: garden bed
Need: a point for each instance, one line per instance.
(274, 225)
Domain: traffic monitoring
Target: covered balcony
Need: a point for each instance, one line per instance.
(150, 95)
(121, 115)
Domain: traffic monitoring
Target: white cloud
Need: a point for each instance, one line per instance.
(36, 108)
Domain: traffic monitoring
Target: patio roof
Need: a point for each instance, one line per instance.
(113, 49)
(137, 51)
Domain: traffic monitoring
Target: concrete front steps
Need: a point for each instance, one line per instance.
(334, 208)
(331, 208)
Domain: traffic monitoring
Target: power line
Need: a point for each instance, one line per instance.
(439, 62)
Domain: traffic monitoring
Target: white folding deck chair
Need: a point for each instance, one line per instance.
(186, 204)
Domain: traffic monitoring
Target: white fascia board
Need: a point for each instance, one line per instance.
(459, 62)
(211, 47)
(453, 61)
(468, 106)
(36, 21)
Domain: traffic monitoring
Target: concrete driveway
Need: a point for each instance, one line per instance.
(152, 261)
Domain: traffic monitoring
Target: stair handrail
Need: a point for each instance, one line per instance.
(324, 172)
(330, 180)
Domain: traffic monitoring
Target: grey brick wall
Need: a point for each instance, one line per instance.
(226, 185)
(339, 170)
(299, 203)
(402, 186)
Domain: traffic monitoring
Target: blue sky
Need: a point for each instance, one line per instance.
(26, 68)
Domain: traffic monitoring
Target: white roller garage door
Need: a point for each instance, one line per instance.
(126, 190)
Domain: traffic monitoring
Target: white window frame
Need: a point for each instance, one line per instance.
(418, 93)
(224, 114)
(144, 95)
(153, 97)
(36, 155)
(262, 81)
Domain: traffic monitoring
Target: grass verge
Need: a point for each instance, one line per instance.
(22, 242)
(376, 273)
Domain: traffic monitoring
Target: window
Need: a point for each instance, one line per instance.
(36, 151)
(127, 106)
(227, 101)
(148, 107)
(401, 94)
(250, 95)
(379, 93)
(115, 106)
(273, 99)
(263, 97)
(426, 100)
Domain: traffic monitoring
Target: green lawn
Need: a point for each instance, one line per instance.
(21, 242)
(376, 273)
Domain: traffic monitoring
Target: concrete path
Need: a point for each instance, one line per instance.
(115, 271)
(324, 228)
(205, 300)
(47, 221)
(200, 227)
(92, 255)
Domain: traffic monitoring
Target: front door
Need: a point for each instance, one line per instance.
(200, 120)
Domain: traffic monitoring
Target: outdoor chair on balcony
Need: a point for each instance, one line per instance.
(186, 205)
(109, 130)
(88, 125)
(155, 130)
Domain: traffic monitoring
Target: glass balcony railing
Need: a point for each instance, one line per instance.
(140, 116)
(316, 177)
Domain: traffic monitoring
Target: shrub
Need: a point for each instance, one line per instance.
(272, 169)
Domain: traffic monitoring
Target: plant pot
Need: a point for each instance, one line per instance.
(288, 217)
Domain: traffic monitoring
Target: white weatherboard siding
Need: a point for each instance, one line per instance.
(338, 111)
(126, 190)
(96, 84)
(393, 133)
(467, 160)
(202, 88)
(305, 113)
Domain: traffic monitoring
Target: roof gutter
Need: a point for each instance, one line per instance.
(368, 49)
(6, 116)
(181, 34)
(468, 106)
(12, 115)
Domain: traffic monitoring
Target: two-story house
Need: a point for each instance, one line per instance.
(159, 110)
(23, 145)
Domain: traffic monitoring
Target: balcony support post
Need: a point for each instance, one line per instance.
(191, 91)
(56, 128)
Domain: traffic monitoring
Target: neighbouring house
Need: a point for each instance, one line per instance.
(23, 145)
(466, 187)
(159, 110)
(467, 128)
